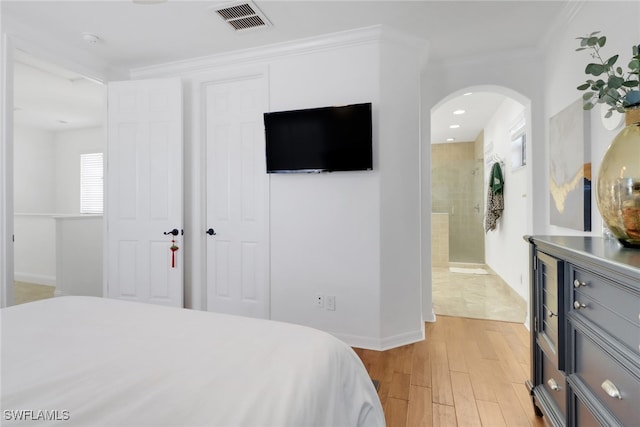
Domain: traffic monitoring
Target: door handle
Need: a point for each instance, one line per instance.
(211, 232)
(174, 232)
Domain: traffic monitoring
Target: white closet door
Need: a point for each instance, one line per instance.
(144, 191)
(237, 259)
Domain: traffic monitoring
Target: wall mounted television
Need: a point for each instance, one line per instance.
(327, 139)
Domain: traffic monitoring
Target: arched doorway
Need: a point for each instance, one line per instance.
(479, 273)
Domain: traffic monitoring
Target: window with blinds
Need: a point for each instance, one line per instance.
(91, 186)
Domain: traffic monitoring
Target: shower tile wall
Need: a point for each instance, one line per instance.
(440, 240)
(457, 172)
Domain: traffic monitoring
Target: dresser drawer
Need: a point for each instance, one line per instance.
(625, 303)
(554, 383)
(620, 328)
(616, 387)
(583, 417)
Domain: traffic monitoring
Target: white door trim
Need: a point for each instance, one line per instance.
(6, 174)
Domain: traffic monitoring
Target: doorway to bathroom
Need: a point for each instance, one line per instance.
(463, 284)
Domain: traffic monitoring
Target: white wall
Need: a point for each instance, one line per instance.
(34, 204)
(79, 255)
(399, 158)
(46, 184)
(325, 228)
(47, 168)
(35, 249)
(353, 235)
(69, 145)
(34, 166)
(508, 253)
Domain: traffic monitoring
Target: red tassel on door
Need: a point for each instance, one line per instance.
(173, 248)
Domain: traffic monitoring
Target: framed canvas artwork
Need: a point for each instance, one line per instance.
(570, 168)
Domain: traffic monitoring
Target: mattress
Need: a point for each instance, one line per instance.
(87, 361)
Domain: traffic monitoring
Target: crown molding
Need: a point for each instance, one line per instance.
(332, 41)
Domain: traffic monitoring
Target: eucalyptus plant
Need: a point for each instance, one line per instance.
(612, 85)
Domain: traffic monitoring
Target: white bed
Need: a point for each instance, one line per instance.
(93, 362)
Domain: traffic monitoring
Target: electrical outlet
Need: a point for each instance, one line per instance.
(319, 300)
(331, 302)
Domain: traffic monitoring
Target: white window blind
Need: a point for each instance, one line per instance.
(91, 187)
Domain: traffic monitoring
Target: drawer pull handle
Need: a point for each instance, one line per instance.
(553, 385)
(611, 389)
(578, 305)
(578, 284)
(552, 314)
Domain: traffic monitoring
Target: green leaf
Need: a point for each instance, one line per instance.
(594, 69)
(615, 82)
(612, 60)
(583, 41)
(631, 83)
(588, 105)
(581, 48)
(609, 114)
(602, 41)
(634, 65)
(587, 95)
(592, 41)
(613, 94)
(584, 86)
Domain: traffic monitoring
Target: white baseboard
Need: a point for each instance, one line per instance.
(431, 317)
(382, 344)
(38, 279)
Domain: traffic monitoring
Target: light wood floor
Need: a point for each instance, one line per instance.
(26, 292)
(467, 372)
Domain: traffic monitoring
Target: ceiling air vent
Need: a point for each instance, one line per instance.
(242, 15)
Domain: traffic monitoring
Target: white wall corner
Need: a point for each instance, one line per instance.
(382, 344)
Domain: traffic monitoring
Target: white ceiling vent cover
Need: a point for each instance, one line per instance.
(241, 15)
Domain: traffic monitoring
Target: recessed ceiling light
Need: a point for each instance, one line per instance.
(450, 139)
(467, 94)
(454, 126)
(458, 112)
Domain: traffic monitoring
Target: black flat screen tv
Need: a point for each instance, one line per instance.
(326, 139)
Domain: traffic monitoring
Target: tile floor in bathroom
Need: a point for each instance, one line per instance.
(478, 296)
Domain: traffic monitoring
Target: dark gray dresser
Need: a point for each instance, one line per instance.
(585, 331)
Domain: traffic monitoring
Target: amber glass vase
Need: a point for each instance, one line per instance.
(618, 183)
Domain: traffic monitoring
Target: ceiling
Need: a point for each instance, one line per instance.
(133, 35)
(52, 98)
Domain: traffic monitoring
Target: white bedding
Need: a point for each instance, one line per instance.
(92, 361)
